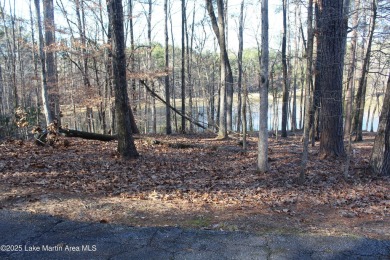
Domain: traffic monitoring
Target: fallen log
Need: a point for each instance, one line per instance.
(87, 135)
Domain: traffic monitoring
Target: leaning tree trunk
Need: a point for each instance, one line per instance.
(331, 55)
(380, 157)
(126, 146)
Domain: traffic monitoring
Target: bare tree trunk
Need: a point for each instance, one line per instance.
(132, 56)
(225, 71)
(48, 10)
(351, 72)
(14, 82)
(349, 104)
(262, 159)
(331, 55)
(173, 70)
(295, 68)
(244, 124)
(34, 58)
(250, 114)
(275, 104)
(149, 66)
(240, 50)
(285, 74)
(22, 70)
(183, 82)
(126, 146)
(380, 157)
(308, 86)
(229, 75)
(189, 72)
(316, 99)
(44, 89)
(168, 126)
(302, 100)
(361, 92)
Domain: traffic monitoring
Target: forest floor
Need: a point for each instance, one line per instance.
(208, 184)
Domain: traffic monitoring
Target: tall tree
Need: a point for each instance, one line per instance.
(262, 159)
(189, 53)
(49, 113)
(132, 56)
(308, 87)
(349, 91)
(225, 69)
(167, 92)
(380, 157)
(361, 92)
(351, 71)
(126, 146)
(149, 67)
(13, 51)
(285, 74)
(316, 104)
(229, 73)
(48, 14)
(134, 126)
(83, 66)
(183, 82)
(332, 32)
(34, 58)
(297, 44)
(240, 51)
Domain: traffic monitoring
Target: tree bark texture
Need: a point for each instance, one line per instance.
(331, 55)
(262, 158)
(126, 146)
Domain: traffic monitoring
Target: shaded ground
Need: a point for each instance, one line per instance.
(212, 185)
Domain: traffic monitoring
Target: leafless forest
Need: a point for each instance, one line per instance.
(223, 108)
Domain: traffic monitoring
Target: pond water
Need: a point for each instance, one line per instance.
(201, 114)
